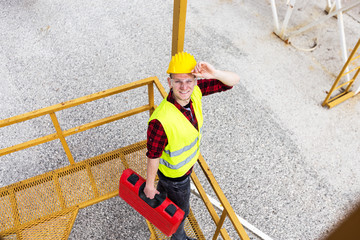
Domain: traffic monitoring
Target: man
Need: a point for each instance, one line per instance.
(175, 129)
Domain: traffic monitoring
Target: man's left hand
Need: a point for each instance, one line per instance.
(204, 70)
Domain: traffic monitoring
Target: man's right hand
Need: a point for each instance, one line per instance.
(150, 191)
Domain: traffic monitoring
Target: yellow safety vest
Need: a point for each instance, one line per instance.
(183, 148)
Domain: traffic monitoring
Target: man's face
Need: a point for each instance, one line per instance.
(182, 85)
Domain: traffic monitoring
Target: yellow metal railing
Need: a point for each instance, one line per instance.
(228, 210)
(45, 206)
(61, 134)
(346, 94)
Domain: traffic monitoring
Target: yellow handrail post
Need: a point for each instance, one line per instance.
(151, 98)
(179, 19)
(61, 137)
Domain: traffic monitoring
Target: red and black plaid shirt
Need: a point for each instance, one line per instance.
(156, 136)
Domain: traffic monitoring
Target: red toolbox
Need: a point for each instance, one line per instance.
(160, 211)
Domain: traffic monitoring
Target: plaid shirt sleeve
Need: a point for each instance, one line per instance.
(156, 139)
(210, 86)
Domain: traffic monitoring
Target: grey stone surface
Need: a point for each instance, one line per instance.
(287, 165)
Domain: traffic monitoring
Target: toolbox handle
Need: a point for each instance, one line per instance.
(156, 201)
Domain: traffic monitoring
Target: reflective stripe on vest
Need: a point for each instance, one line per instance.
(184, 149)
(181, 164)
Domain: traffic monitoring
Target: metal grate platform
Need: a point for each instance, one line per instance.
(45, 207)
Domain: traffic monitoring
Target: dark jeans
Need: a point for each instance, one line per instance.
(179, 193)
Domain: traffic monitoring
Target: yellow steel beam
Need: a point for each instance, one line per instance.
(179, 19)
(76, 102)
(225, 203)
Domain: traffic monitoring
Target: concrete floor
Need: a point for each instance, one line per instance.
(287, 165)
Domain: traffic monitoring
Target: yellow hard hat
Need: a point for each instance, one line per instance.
(182, 62)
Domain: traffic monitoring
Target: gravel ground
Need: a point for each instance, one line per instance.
(287, 165)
